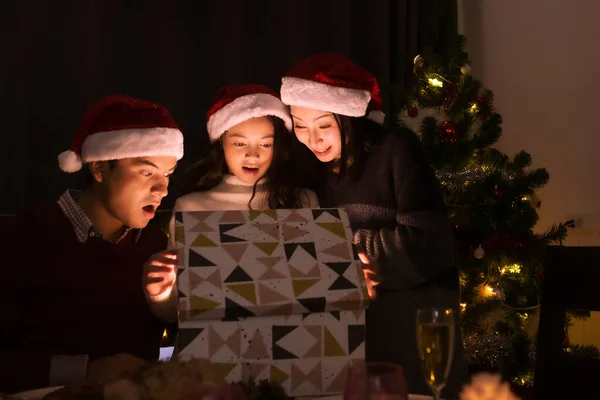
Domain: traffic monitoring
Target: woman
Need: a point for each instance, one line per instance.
(392, 197)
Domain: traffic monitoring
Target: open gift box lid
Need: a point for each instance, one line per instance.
(240, 264)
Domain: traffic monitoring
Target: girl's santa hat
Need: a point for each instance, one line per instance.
(236, 104)
(119, 126)
(330, 82)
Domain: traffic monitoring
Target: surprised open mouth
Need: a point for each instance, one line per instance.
(150, 209)
(250, 170)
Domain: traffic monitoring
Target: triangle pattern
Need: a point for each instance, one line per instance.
(290, 248)
(269, 296)
(202, 241)
(179, 217)
(341, 283)
(257, 350)
(270, 263)
(187, 335)
(194, 279)
(270, 229)
(278, 332)
(302, 285)
(349, 302)
(315, 350)
(314, 304)
(223, 369)
(336, 315)
(280, 353)
(215, 278)
(215, 342)
(197, 260)
(337, 228)
(339, 382)
(295, 217)
(313, 377)
(356, 337)
(253, 214)
(234, 311)
(314, 272)
(238, 275)
(198, 305)
(277, 375)
(332, 348)
(339, 250)
(234, 342)
(245, 290)
(225, 238)
(235, 250)
(180, 234)
(286, 309)
(233, 216)
(267, 247)
(331, 211)
(201, 226)
(252, 370)
(291, 232)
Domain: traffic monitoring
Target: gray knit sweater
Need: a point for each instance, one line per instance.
(398, 215)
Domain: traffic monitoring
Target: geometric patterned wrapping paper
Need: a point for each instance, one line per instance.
(239, 264)
(272, 294)
(308, 355)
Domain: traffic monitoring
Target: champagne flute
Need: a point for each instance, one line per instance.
(435, 341)
(375, 381)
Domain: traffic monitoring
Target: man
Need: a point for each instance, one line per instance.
(72, 306)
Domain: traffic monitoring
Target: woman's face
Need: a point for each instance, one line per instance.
(319, 131)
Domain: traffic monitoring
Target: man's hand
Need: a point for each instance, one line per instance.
(159, 273)
(112, 368)
(370, 274)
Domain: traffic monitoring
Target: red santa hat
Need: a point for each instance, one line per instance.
(236, 104)
(330, 82)
(119, 126)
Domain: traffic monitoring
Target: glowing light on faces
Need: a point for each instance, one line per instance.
(248, 149)
(319, 131)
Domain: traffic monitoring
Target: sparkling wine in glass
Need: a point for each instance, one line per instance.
(435, 341)
(375, 381)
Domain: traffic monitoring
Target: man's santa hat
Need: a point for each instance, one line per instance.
(119, 126)
(330, 82)
(236, 104)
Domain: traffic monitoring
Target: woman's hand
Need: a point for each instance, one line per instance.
(370, 273)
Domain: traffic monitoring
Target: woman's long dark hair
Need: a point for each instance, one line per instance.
(280, 179)
(358, 135)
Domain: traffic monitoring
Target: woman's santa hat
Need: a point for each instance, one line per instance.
(236, 104)
(330, 82)
(119, 126)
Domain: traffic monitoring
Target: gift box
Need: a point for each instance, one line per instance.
(273, 294)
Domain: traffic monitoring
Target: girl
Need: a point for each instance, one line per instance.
(383, 180)
(246, 168)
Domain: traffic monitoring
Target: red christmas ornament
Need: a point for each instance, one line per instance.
(413, 111)
(497, 193)
(447, 132)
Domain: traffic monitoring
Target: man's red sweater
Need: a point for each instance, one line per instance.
(59, 296)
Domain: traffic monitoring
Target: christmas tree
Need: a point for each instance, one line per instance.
(492, 202)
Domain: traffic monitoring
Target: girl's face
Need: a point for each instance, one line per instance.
(319, 131)
(248, 148)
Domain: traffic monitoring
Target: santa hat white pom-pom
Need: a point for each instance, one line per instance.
(68, 161)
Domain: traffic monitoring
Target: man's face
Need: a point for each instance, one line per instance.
(133, 188)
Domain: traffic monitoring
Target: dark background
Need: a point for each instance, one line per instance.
(58, 57)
